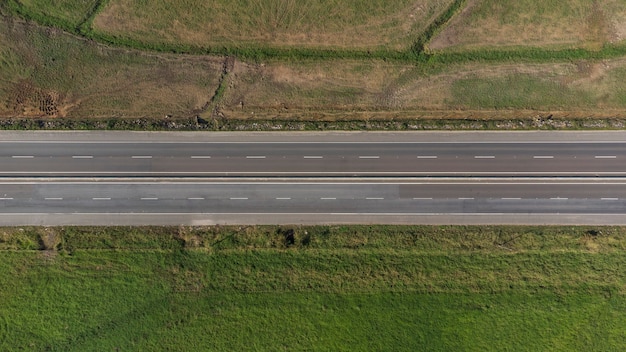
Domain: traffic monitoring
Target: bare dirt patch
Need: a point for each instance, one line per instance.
(26, 99)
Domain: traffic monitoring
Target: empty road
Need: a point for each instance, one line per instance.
(144, 178)
(514, 158)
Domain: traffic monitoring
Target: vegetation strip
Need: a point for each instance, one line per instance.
(489, 288)
(416, 53)
(545, 122)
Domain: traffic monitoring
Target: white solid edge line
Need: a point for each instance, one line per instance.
(322, 198)
(230, 183)
(390, 214)
(410, 173)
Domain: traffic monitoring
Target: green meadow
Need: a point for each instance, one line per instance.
(363, 288)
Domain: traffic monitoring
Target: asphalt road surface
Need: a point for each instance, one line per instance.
(517, 178)
(96, 159)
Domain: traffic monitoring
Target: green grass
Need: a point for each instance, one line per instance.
(66, 14)
(327, 288)
(548, 24)
(620, 91)
(516, 92)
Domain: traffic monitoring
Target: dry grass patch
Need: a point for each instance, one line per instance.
(546, 23)
(283, 86)
(314, 23)
(286, 89)
(44, 72)
(615, 11)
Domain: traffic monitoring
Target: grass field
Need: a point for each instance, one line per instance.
(45, 72)
(548, 24)
(279, 88)
(68, 14)
(324, 288)
(347, 24)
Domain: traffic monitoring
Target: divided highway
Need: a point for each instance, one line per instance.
(205, 178)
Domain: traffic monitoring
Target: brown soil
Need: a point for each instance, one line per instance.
(28, 100)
